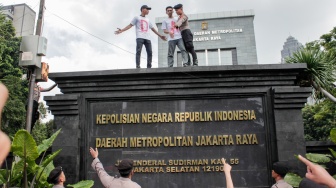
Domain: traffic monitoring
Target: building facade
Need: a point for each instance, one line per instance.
(291, 45)
(220, 38)
(23, 18)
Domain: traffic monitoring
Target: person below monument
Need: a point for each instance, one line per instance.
(57, 177)
(174, 37)
(278, 173)
(125, 168)
(142, 26)
(183, 24)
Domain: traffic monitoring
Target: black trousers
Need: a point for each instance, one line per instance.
(148, 45)
(187, 37)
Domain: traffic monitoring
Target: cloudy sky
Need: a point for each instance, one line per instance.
(97, 48)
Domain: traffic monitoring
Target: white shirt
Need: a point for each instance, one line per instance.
(142, 27)
(169, 24)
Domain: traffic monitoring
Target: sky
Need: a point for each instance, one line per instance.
(81, 35)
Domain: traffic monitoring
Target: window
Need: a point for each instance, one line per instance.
(226, 57)
(212, 57)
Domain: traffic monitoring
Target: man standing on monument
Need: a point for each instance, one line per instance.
(174, 38)
(183, 24)
(278, 173)
(125, 168)
(142, 26)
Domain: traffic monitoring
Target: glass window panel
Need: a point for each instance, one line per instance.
(226, 57)
(200, 57)
(213, 58)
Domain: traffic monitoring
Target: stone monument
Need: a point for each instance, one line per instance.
(176, 123)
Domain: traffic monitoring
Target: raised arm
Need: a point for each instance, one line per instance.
(49, 88)
(122, 30)
(104, 177)
(158, 34)
(227, 172)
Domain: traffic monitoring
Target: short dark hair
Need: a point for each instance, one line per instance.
(54, 175)
(125, 167)
(280, 168)
(125, 173)
(169, 7)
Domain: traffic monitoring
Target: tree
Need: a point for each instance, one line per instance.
(320, 72)
(320, 57)
(14, 114)
(42, 130)
(318, 120)
(328, 41)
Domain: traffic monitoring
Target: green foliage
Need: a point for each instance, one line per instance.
(328, 41)
(47, 143)
(318, 158)
(26, 151)
(82, 184)
(333, 152)
(42, 131)
(333, 135)
(318, 120)
(13, 117)
(293, 179)
(320, 68)
(320, 57)
(24, 146)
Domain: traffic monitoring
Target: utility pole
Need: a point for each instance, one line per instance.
(33, 71)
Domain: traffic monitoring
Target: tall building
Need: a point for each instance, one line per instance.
(291, 45)
(23, 18)
(220, 38)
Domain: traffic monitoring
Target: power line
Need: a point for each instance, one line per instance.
(94, 35)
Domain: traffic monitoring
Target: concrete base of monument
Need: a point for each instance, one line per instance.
(177, 123)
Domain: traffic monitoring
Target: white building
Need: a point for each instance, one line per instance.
(23, 18)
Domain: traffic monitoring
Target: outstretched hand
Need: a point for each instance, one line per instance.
(94, 152)
(118, 31)
(163, 38)
(318, 174)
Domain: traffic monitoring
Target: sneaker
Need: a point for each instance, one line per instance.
(195, 62)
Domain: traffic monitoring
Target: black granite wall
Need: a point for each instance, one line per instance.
(86, 94)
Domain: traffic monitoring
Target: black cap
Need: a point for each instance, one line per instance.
(178, 6)
(54, 174)
(125, 165)
(145, 7)
(280, 169)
